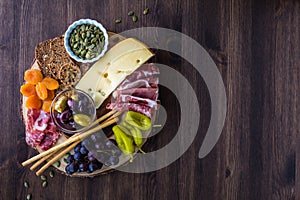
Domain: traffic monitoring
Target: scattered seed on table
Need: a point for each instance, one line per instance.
(28, 197)
(26, 184)
(134, 18)
(43, 177)
(145, 12)
(130, 13)
(57, 164)
(117, 21)
(51, 174)
(65, 157)
(44, 184)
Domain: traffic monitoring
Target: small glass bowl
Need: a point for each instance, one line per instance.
(70, 30)
(73, 111)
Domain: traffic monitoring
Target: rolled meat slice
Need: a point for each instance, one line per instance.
(124, 98)
(131, 107)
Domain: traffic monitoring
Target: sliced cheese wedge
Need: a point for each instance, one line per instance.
(107, 73)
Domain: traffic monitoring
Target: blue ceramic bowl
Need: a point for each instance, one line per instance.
(70, 30)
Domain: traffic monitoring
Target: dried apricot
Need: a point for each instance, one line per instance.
(28, 90)
(50, 95)
(33, 76)
(33, 102)
(50, 83)
(41, 90)
(46, 106)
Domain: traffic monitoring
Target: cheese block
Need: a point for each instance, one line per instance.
(108, 72)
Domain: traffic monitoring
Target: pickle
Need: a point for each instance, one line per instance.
(61, 104)
(138, 120)
(124, 141)
(135, 133)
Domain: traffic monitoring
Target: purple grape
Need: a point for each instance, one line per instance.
(83, 150)
(70, 103)
(71, 168)
(94, 138)
(70, 159)
(93, 167)
(102, 157)
(78, 156)
(99, 145)
(83, 167)
(110, 144)
(117, 152)
(107, 163)
(85, 143)
(90, 156)
(77, 148)
(114, 160)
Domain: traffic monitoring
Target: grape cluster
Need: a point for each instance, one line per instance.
(101, 152)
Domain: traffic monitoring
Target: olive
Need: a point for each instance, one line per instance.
(82, 119)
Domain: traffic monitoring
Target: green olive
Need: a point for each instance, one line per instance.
(61, 104)
(82, 119)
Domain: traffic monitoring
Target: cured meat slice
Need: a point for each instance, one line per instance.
(124, 98)
(140, 83)
(50, 138)
(145, 71)
(131, 107)
(40, 130)
(149, 93)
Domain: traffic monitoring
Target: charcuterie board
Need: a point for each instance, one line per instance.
(127, 85)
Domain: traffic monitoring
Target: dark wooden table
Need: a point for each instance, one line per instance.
(256, 46)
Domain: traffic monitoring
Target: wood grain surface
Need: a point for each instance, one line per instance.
(256, 46)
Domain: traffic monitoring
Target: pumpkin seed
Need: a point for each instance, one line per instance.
(43, 177)
(134, 18)
(94, 39)
(75, 45)
(102, 38)
(145, 12)
(44, 184)
(130, 13)
(87, 55)
(83, 52)
(26, 184)
(28, 197)
(57, 163)
(117, 21)
(66, 156)
(88, 33)
(91, 46)
(51, 174)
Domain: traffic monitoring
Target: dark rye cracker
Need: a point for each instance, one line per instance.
(54, 60)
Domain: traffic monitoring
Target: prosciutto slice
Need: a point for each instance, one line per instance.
(140, 83)
(131, 107)
(124, 98)
(40, 130)
(145, 71)
(138, 92)
(149, 93)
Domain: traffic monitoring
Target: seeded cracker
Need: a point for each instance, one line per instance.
(55, 62)
(69, 75)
